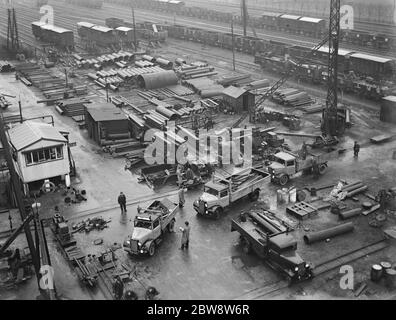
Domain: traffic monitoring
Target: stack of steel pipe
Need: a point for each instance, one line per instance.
(328, 233)
(197, 73)
(354, 189)
(6, 66)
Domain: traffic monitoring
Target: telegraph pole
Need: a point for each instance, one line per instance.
(134, 29)
(233, 44)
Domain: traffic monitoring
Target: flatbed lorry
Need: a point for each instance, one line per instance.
(287, 165)
(221, 193)
(150, 225)
(271, 240)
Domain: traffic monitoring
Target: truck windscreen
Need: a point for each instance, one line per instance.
(211, 191)
(142, 224)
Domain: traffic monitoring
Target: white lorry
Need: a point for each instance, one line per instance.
(221, 193)
(149, 226)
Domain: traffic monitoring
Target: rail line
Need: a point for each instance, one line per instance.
(319, 269)
(99, 15)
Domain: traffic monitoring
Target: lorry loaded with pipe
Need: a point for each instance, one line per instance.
(271, 239)
(221, 193)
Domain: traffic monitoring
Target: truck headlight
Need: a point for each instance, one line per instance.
(296, 269)
(307, 266)
(139, 244)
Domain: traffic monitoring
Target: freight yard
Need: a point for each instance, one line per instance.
(169, 150)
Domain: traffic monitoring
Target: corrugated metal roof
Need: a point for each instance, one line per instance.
(234, 92)
(313, 20)
(158, 79)
(105, 112)
(289, 16)
(39, 23)
(370, 57)
(55, 28)
(28, 133)
(341, 52)
(85, 24)
(124, 29)
(101, 29)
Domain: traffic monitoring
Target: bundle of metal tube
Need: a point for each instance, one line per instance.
(328, 233)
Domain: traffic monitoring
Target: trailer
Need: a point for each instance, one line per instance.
(269, 237)
(221, 193)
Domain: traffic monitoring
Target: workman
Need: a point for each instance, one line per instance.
(189, 174)
(179, 175)
(122, 202)
(315, 167)
(356, 149)
(118, 288)
(304, 151)
(185, 236)
(182, 201)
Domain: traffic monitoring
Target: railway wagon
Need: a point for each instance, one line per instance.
(61, 37)
(288, 23)
(269, 20)
(84, 30)
(96, 4)
(372, 66)
(313, 27)
(125, 34)
(36, 29)
(102, 35)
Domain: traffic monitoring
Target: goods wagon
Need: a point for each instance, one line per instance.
(60, 37)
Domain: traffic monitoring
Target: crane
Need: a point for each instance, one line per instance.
(333, 118)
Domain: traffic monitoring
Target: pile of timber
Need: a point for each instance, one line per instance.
(292, 97)
(134, 157)
(120, 101)
(87, 272)
(123, 148)
(315, 108)
(73, 253)
(241, 181)
(51, 86)
(6, 66)
(72, 107)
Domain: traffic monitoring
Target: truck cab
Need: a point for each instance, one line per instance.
(283, 166)
(149, 226)
(215, 197)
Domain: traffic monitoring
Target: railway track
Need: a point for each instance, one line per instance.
(320, 269)
(256, 11)
(99, 15)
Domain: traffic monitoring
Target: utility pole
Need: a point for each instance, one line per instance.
(20, 109)
(331, 124)
(107, 90)
(244, 16)
(233, 44)
(134, 29)
(66, 77)
(12, 31)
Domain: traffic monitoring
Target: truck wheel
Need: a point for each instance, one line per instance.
(283, 179)
(217, 213)
(322, 168)
(151, 250)
(254, 195)
(171, 225)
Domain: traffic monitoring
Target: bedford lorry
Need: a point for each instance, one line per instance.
(261, 232)
(221, 193)
(287, 165)
(150, 225)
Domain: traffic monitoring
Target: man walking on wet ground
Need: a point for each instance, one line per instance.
(356, 149)
(122, 202)
(185, 236)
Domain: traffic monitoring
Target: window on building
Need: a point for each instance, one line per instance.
(43, 155)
